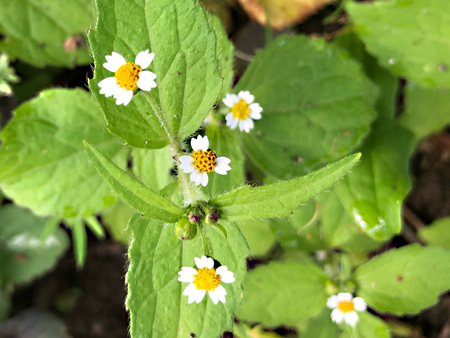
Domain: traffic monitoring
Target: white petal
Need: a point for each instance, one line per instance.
(332, 302)
(114, 61)
(194, 176)
(204, 262)
(223, 160)
(143, 59)
(246, 96)
(190, 291)
(200, 143)
(187, 163)
(359, 304)
(246, 125)
(108, 86)
(146, 80)
(344, 296)
(225, 275)
(337, 316)
(187, 274)
(230, 100)
(218, 294)
(351, 318)
(222, 169)
(199, 295)
(255, 111)
(203, 179)
(232, 122)
(123, 97)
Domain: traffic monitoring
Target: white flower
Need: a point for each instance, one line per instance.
(205, 278)
(242, 110)
(128, 76)
(203, 161)
(344, 308)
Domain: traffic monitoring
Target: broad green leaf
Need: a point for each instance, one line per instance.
(23, 253)
(46, 32)
(280, 199)
(42, 160)
(152, 166)
(374, 191)
(404, 280)
(409, 37)
(136, 194)
(368, 326)
(426, 110)
(438, 233)
(116, 219)
(185, 63)
(318, 105)
(225, 143)
(321, 326)
(258, 235)
(283, 293)
(155, 301)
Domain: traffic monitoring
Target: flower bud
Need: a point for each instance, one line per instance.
(185, 230)
(195, 215)
(212, 215)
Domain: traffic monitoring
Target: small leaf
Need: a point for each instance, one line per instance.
(131, 191)
(438, 233)
(389, 282)
(79, 240)
(401, 34)
(283, 293)
(279, 199)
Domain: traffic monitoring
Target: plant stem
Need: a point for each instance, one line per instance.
(205, 240)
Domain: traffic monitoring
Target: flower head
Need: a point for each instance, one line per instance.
(344, 308)
(203, 161)
(205, 278)
(242, 110)
(128, 76)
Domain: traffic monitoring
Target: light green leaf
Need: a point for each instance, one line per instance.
(368, 326)
(144, 200)
(438, 233)
(374, 191)
(185, 63)
(283, 293)
(42, 162)
(318, 105)
(258, 235)
(23, 253)
(390, 282)
(157, 307)
(401, 34)
(280, 199)
(321, 326)
(46, 32)
(426, 110)
(116, 219)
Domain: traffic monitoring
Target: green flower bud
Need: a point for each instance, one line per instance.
(185, 230)
(195, 215)
(212, 215)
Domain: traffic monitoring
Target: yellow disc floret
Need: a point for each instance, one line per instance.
(241, 110)
(204, 160)
(206, 279)
(127, 75)
(346, 306)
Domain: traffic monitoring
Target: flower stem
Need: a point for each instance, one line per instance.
(207, 249)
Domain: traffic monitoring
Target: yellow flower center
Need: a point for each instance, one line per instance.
(204, 160)
(346, 306)
(206, 279)
(128, 75)
(241, 110)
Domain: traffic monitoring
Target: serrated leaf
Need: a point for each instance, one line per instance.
(46, 32)
(374, 191)
(317, 105)
(23, 253)
(426, 110)
(283, 293)
(156, 256)
(42, 162)
(281, 198)
(409, 37)
(390, 282)
(137, 195)
(437, 233)
(188, 80)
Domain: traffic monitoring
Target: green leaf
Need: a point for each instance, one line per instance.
(155, 301)
(79, 241)
(258, 235)
(390, 282)
(401, 34)
(280, 199)
(321, 326)
(116, 219)
(426, 110)
(23, 253)
(149, 203)
(374, 191)
(317, 105)
(438, 233)
(42, 152)
(185, 63)
(46, 32)
(283, 293)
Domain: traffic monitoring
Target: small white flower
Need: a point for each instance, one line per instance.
(344, 308)
(128, 76)
(203, 161)
(242, 110)
(205, 278)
